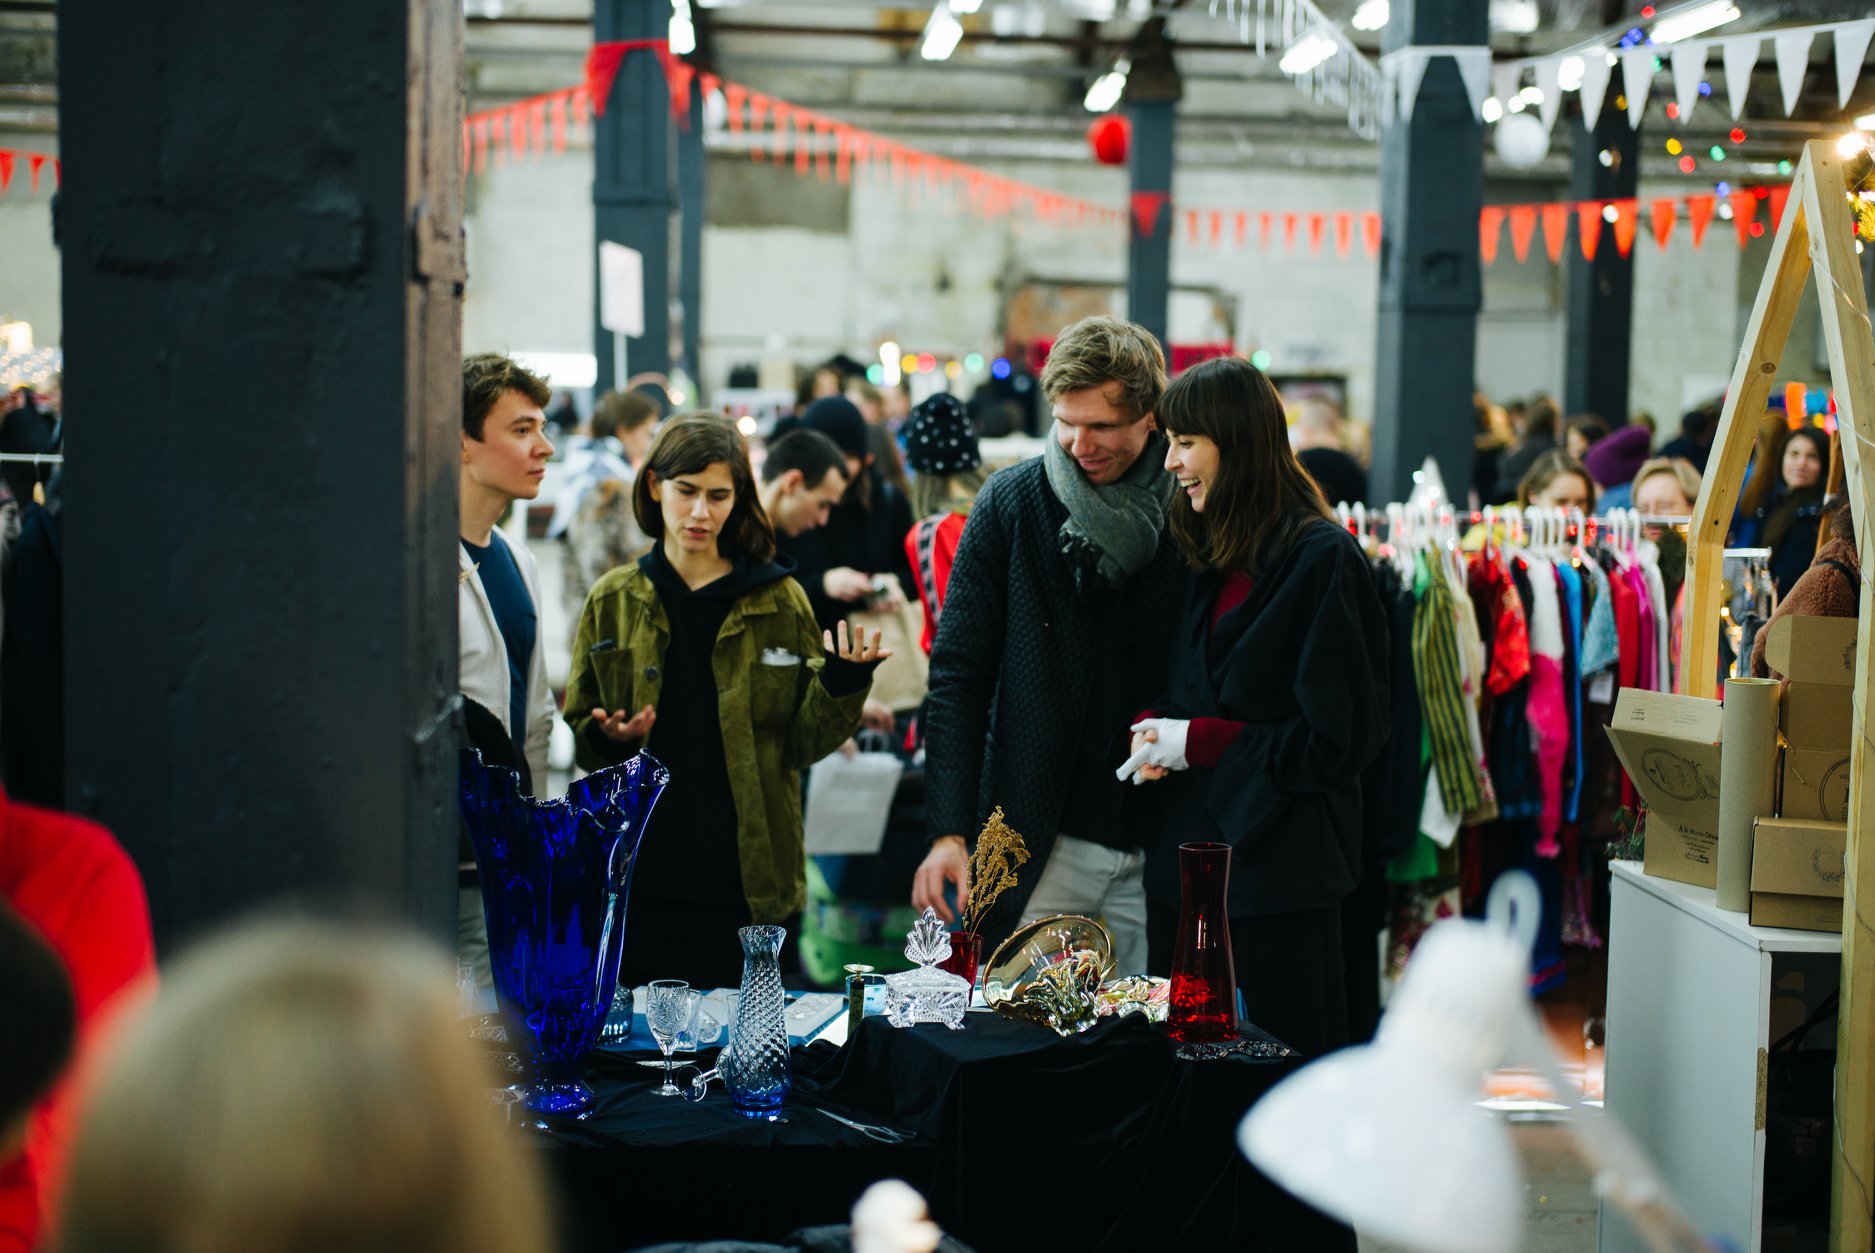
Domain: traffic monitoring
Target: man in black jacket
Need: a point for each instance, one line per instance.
(1057, 625)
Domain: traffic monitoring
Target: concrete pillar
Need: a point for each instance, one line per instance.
(262, 268)
(1599, 338)
(633, 179)
(1431, 188)
(692, 166)
(1153, 89)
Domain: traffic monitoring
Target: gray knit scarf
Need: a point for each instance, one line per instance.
(1115, 528)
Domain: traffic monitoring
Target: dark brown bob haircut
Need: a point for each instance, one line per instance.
(486, 377)
(688, 444)
(1263, 496)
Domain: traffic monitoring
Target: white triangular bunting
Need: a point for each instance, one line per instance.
(1851, 45)
(1637, 76)
(1504, 81)
(1474, 66)
(1552, 94)
(1412, 71)
(1689, 66)
(1594, 85)
(1740, 56)
(1793, 58)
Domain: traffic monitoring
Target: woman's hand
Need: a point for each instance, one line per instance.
(858, 649)
(624, 726)
(1146, 773)
(847, 584)
(1158, 749)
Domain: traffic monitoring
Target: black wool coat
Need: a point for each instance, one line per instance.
(1303, 662)
(1015, 663)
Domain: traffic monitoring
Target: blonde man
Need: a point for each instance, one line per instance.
(1057, 623)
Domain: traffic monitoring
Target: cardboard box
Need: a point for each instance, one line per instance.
(1804, 649)
(1816, 784)
(1797, 874)
(1669, 745)
(1817, 715)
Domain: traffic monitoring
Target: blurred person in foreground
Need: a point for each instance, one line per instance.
(301, 1088)
(34, 1052)
(68, 882)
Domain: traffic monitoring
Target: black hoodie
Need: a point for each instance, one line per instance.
(696, 859)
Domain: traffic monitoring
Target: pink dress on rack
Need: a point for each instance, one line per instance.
(1549, 716)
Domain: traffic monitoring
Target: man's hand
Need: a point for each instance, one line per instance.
(857, 649)
(947, 862)
(887, 596)
(846, 583)
(877, 716)
(625, 726)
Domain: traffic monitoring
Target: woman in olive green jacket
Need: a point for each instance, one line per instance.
(706, 654)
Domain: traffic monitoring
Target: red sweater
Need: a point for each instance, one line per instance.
(72, 882)
(949, 529)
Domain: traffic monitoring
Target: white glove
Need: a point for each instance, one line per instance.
(1167, 752)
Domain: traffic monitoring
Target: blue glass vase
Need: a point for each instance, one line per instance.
(555, 874)
(755, 1066)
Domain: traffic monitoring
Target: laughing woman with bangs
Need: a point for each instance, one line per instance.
(1276, 701)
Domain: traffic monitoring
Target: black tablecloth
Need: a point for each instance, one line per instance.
(1019, 1139)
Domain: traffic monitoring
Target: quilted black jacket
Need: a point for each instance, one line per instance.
(1014, 663)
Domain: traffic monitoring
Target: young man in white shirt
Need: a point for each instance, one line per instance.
(502, 667)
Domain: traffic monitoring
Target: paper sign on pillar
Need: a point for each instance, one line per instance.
(1817, 656)
(1669, 745)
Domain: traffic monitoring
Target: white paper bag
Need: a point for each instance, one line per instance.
(848, 802)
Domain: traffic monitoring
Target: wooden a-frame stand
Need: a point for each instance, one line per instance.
(1814, 238)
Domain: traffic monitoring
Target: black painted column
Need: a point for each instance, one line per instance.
(1153, 89)
(262, 264)
(633, 176)
(1431, 189)
(1598, 344)
(692, 163)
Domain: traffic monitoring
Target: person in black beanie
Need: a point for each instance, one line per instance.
(941, 447)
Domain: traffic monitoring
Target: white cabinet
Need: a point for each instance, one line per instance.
(1689, 1020)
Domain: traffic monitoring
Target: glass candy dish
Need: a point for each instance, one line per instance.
(1049, 972)
(927, 994)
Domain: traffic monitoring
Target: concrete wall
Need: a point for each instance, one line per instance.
(29, 265)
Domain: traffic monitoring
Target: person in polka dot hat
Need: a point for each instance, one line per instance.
(941, 449)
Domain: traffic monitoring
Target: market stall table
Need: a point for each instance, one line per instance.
(1018, 1138)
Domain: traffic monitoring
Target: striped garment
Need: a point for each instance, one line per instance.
(1437, 675)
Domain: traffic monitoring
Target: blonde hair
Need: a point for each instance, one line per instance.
(1097, 351)
(946, 493)
(1681, 470)
(299, 1088)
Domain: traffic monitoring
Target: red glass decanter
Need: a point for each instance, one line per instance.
(1203, 1006)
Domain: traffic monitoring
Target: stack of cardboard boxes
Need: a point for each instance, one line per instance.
(1797, 857)
(1670, 747)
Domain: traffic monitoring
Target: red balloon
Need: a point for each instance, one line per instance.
(1109, 137)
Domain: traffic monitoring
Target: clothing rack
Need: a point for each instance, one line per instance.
(33, 458)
